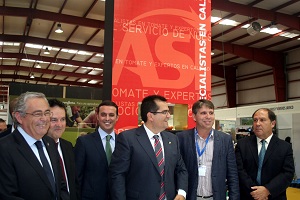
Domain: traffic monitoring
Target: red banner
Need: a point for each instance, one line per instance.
(160, 47)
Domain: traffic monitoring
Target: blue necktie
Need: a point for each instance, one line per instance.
(260, 161)
(46, 165)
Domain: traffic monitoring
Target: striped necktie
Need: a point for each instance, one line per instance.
(161, 165)
(260, 161)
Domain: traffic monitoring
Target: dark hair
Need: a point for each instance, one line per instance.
(2, 120)
(271, 114)
(108, 103)
(58, 103)
(149, 105)
(200, 103)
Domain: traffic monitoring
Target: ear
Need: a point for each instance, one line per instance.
(194, 116)
(273, 123)
(149, 116)
(18, 117)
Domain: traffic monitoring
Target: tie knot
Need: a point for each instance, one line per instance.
(38, 144)
(156, 137)
(56, 144)
(263, 142)
(108, 137)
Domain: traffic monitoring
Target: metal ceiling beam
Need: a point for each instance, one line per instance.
(279, 18)
(46, 80)
(49, 42)
(51, 59)
(51, 16)
(50, 72)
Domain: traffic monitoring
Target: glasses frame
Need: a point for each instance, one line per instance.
(47, 113)
(164, 112)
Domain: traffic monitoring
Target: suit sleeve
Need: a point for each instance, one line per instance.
(80, 157)
(279, 183)
(232, 173)
(245, 180)
(9, 180)
(118, 168)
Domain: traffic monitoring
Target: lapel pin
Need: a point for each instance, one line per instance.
(48, 144)
(170, 142)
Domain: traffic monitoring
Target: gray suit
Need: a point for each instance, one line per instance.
(134, 172)
(223, 165)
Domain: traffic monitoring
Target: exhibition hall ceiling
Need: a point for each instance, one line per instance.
(76, 55)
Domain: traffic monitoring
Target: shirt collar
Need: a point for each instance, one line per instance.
(30, 140)
(267, 140)
(150, 133)
(103, 134)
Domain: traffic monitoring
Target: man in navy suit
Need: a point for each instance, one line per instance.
(92, 156)
(26, 153)
(277, 168)
(209, 157)
(136, 171)
(64, 147)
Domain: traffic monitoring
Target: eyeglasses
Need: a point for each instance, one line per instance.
(47, 113)
(164, 112)
(55, 120)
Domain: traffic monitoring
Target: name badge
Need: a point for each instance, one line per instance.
(201, 170)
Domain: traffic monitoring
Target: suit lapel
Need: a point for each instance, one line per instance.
(99, 146)
(143, 139)
(271, 148)
(217, 149)
(28, 154)
(253, 148)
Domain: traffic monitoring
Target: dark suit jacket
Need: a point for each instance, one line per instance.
(223, 165)
(277, 170)
(134, 172)
(69, 161)
(6, 132)
(22, 175)
(92, 167)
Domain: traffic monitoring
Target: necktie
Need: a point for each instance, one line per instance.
(46, 165)
(161, 164)
(61, 164)
(260, 161)
(108, 148)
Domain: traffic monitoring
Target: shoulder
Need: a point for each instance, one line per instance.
(185, 133)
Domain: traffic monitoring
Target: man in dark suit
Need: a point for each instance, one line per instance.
(147, 164)
(93, 153)
(10, 127)
(29, 166)
(209, 157)
(270, 179)
(64, 147)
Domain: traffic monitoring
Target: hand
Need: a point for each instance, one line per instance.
(179, 197)
(260, 193)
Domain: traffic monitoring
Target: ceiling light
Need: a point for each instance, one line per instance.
(32, 75)
(46, 51)
(38, 65)
(59, 28)
(254, 28)
(273, 25)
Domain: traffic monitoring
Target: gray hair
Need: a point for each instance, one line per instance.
(21, 105)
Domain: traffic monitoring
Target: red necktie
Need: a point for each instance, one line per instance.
(161, 165)
(61, 164)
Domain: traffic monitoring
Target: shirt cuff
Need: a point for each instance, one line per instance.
(182, 192)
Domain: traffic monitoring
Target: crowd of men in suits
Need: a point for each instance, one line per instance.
(144, 163)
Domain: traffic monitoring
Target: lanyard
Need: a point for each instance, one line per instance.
(197, 146)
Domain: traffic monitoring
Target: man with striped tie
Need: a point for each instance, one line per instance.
(147, 164)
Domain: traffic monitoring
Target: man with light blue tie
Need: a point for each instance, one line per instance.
(265, 162)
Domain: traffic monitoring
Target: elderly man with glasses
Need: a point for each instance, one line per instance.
(29, 160)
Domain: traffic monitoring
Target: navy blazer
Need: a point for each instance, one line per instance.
(277, 170)
(223, 165)
(134, 172)
(22, 175)
(92, 167)
(69, 161)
